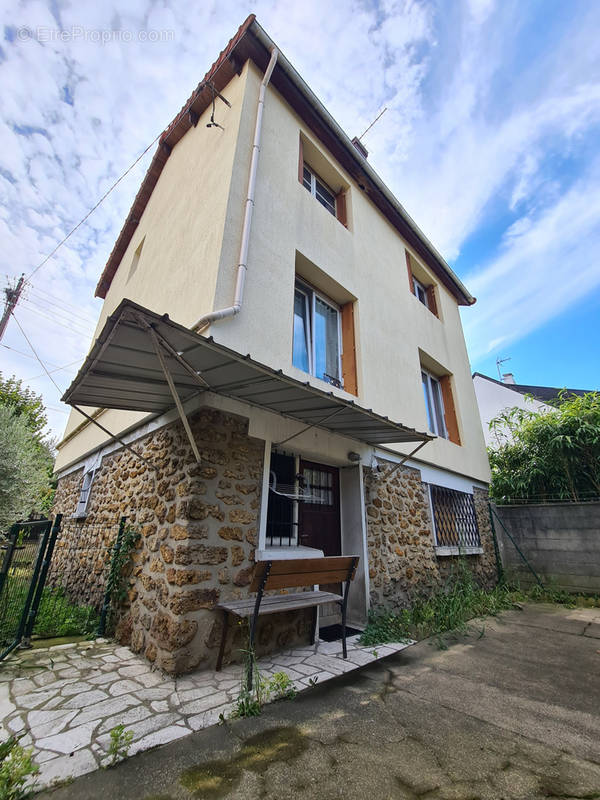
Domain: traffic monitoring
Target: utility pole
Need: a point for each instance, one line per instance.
(12, 298)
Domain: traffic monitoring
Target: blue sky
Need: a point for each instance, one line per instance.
(490, 141)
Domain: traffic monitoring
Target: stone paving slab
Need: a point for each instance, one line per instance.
(68, 698)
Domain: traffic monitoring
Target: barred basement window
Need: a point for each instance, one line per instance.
(454, 518)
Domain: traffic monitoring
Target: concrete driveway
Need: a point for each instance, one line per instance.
(511, 713)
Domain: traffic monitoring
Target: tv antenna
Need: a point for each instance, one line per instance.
(378, 117)
(499, 362)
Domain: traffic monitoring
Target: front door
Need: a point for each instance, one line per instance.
(319, 519)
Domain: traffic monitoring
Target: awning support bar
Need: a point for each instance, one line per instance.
(112, 436)
(308, 427)
(173, 390)
(171, 350)
(405, 459)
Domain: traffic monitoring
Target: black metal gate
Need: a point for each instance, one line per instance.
(27, 555)
(40, 599)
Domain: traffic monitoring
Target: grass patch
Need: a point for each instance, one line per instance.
(459, 601)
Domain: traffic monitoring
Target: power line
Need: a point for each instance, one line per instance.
(61, 315)
(66, 307)
(21, 353)
(70, 325)
(33, 350)
(91, 211)
(58, 369)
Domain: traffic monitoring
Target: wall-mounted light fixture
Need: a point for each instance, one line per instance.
(353, 457)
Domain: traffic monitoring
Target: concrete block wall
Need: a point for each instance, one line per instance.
(560, 540)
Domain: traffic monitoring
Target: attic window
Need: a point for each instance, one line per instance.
(318, 189)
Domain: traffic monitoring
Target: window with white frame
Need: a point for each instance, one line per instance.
(84, 493)
(434, 404)
(317, 341)
(318, 189)
(421, 292)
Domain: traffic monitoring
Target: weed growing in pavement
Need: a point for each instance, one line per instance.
(16, 767)
(120, 742)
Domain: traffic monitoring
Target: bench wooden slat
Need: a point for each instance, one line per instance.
(307, 579)
(302, 572)
(292, 566)
(274, 604)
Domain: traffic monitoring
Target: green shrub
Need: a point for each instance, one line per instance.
(16, 766)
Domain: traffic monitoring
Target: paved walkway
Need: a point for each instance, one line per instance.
(513, 714)
(69, 697)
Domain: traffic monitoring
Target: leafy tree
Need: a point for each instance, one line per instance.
(548, 454)
(24, 469)
(24, 402)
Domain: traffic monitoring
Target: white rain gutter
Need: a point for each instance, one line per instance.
(223, 313)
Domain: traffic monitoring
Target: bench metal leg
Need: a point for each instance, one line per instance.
(223, 638)
(315, 621)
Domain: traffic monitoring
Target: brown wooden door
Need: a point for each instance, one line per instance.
(319, 521)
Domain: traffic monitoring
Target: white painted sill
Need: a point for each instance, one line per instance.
(285, 553)
(458, 551)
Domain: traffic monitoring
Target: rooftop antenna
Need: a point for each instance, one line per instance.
(381, 113)
(500, 361)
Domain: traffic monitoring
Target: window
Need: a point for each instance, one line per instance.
(454, 518)
(84, 493)
(434, 404)
(318, 189)
(316, 345)
(420, 292)
(136, 259)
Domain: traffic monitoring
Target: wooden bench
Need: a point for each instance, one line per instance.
(287, 574)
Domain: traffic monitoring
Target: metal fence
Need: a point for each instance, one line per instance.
(53, 580)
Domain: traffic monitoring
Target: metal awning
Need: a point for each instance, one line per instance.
(146, 362)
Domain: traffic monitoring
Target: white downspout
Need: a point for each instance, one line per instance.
(243, 259)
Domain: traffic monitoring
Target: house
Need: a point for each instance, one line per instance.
(281, 357)
(494, 397)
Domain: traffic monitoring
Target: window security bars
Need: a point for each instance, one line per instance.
(454, 518)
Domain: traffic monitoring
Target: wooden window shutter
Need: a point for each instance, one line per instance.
(431, 303)
(340, 208)
(349, 349)
(411, 282)
(301, 162)
(449, 410)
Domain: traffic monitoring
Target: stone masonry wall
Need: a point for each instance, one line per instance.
(402, 559)
(199, 526)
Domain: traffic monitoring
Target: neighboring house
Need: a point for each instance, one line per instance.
(494, 397)
(351, 318)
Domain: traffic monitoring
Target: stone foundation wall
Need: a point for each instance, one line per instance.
(402, 559)
(199, 526)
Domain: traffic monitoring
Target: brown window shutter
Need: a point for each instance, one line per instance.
(349, 349)
(410, 275)
(301, 163)
(449, 410)
(431, 303)
(340, 208)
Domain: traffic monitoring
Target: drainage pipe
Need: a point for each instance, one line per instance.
(222, 313)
